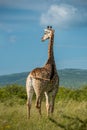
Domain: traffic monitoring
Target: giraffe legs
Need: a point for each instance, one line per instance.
(29, 99)
(30, 92)
(28, 109)
(50, 100)
(38, 103)
(52, 104)
(47, 103)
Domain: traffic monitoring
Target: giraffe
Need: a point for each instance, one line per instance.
(44, 80)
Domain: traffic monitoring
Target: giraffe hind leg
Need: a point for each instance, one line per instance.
(29, 99)
(30, 92)
(38, 104)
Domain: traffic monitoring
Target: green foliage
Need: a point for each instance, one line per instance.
(16, 91)
(12, 91)
(71, 115)
(74, 94)
(70, 110)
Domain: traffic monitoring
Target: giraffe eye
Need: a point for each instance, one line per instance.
(48, 32)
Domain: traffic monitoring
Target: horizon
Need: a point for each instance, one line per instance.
(21, 28)
(31, 70)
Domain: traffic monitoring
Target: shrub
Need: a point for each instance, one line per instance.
(19, 92)
(74, 94)
(10, 91)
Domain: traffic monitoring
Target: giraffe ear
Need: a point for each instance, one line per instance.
(50, 27)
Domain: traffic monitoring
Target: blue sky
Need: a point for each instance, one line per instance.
(21, 27)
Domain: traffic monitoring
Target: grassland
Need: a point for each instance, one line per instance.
(70, 110)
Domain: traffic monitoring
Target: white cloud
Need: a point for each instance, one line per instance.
(64, 16)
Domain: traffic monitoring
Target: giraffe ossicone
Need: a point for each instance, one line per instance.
(44, 80)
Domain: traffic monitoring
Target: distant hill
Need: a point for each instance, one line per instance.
(73, 77)
(68, 77)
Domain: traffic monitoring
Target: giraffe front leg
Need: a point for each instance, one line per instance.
(52, 100)
(52, 105)
(47, 103)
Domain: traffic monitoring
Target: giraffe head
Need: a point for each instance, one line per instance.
(48, 33)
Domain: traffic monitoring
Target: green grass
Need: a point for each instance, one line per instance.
(70, 110)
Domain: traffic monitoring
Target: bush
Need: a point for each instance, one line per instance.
(11, 91)
(19, 92)
(74, 94)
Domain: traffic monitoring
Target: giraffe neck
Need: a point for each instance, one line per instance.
(50, 51)
(50, 64)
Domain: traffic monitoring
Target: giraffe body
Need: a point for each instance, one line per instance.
(44, 80)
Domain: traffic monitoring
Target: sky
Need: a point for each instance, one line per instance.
(22, 24)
